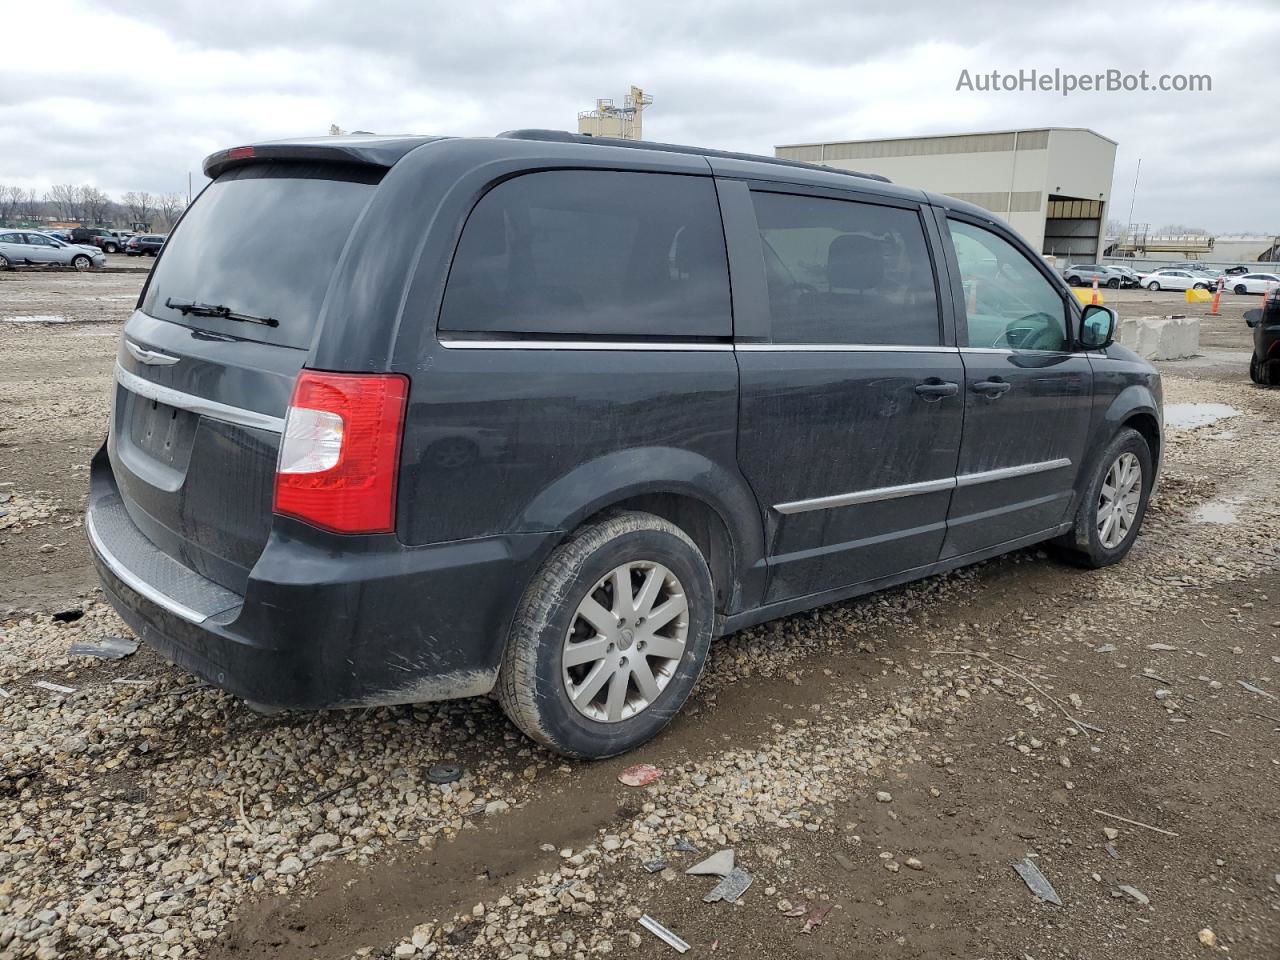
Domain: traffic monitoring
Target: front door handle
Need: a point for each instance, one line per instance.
(934, 389)
(992, 388)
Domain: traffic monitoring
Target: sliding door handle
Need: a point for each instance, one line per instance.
(992, 388)
(935, 389)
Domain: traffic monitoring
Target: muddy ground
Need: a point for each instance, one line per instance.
(998, 709)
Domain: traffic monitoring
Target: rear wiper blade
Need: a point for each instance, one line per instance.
(195, 309)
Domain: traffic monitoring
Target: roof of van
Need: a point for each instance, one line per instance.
(384, 151)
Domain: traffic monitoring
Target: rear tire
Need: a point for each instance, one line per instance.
(1084, 545)
(4, 262)
(536, 688)
(1073, 281)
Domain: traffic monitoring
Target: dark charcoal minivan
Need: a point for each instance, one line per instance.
(542, 414)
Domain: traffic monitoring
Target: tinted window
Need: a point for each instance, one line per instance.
(11, 238)
(1008, 302)
(845, 272)
(592, 252)
(261, 240)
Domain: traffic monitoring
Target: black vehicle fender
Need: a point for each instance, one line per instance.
(1135, 406)
(712, 504)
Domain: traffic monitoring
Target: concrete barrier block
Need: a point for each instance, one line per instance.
(1161, 338)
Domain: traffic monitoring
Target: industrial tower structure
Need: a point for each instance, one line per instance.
(609, 120)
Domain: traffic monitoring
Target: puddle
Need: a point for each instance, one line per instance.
(1188, 416)
(1221, 512)
(37, 318)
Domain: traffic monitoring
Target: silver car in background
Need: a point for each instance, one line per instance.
(20, 248)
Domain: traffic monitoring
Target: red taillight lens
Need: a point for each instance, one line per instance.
(240, 153)
(340, 453)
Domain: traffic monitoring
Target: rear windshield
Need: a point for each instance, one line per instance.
(262, 241)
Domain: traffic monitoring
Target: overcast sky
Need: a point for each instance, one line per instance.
(131, 96)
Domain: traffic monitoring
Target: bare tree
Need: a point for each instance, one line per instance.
(29, 205)
(8, 201)
(141, 206)
(171, 206)
(1181, 230)
(66, 201)
(95, 203)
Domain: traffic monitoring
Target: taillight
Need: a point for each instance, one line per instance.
(240, 153)
(340, 453)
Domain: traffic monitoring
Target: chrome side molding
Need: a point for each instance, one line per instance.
(915, 489)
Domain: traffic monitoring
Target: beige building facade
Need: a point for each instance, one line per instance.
(1052, 185)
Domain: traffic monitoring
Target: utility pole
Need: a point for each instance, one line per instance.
(1134, 197)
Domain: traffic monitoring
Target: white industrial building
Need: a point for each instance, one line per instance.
(1052, 185)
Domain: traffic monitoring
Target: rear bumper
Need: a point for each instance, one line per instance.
(326, 621)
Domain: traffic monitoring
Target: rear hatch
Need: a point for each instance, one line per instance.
(208, 361)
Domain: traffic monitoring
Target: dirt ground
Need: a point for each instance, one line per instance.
(877, 766)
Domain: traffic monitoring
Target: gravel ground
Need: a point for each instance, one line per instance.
(876, 766)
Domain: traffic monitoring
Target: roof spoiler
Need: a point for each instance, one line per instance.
(364, 151)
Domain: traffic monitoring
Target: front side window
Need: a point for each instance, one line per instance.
(38, 241)
(595, 253)
(1009, 304)
(846, 272)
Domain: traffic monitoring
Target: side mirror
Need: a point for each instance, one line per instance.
(1098, 327)
(1253, 317)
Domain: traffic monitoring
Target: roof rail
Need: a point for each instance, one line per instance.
(564, 136)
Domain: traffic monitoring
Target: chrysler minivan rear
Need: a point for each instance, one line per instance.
(242, 510)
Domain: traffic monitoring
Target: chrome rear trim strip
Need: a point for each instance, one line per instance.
(915, 489)
(867, 496)
(136, 583)
(186, 401)
(1008, 473)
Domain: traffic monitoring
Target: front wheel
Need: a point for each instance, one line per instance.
(1153, 286)
(81, 262)
(1113, 283)
(610, 637)
(1112, 505)
(1241, 289)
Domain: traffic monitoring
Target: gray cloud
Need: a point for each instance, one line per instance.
(743, 75)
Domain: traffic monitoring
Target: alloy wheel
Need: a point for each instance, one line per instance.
(625, 642)
(1118, 502)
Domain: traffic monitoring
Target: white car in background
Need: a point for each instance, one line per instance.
(1253, 283)
(20, 248)
(1174, 279)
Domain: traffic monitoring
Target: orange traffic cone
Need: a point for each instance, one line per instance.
(1217, 297)
(1095, 289)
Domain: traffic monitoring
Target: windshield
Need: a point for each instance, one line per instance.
(260, 241)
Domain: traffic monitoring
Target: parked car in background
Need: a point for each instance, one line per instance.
(656, 434)
(148, 244)
(1082, 274)
(29, 248)
(63, 235)
(90, 235)
(1264, 366)
(1170, 279)
(1254, 283)
(113, 242)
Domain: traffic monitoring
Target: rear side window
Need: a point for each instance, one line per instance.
(595, 253)
(263, 241)
(845, 272)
